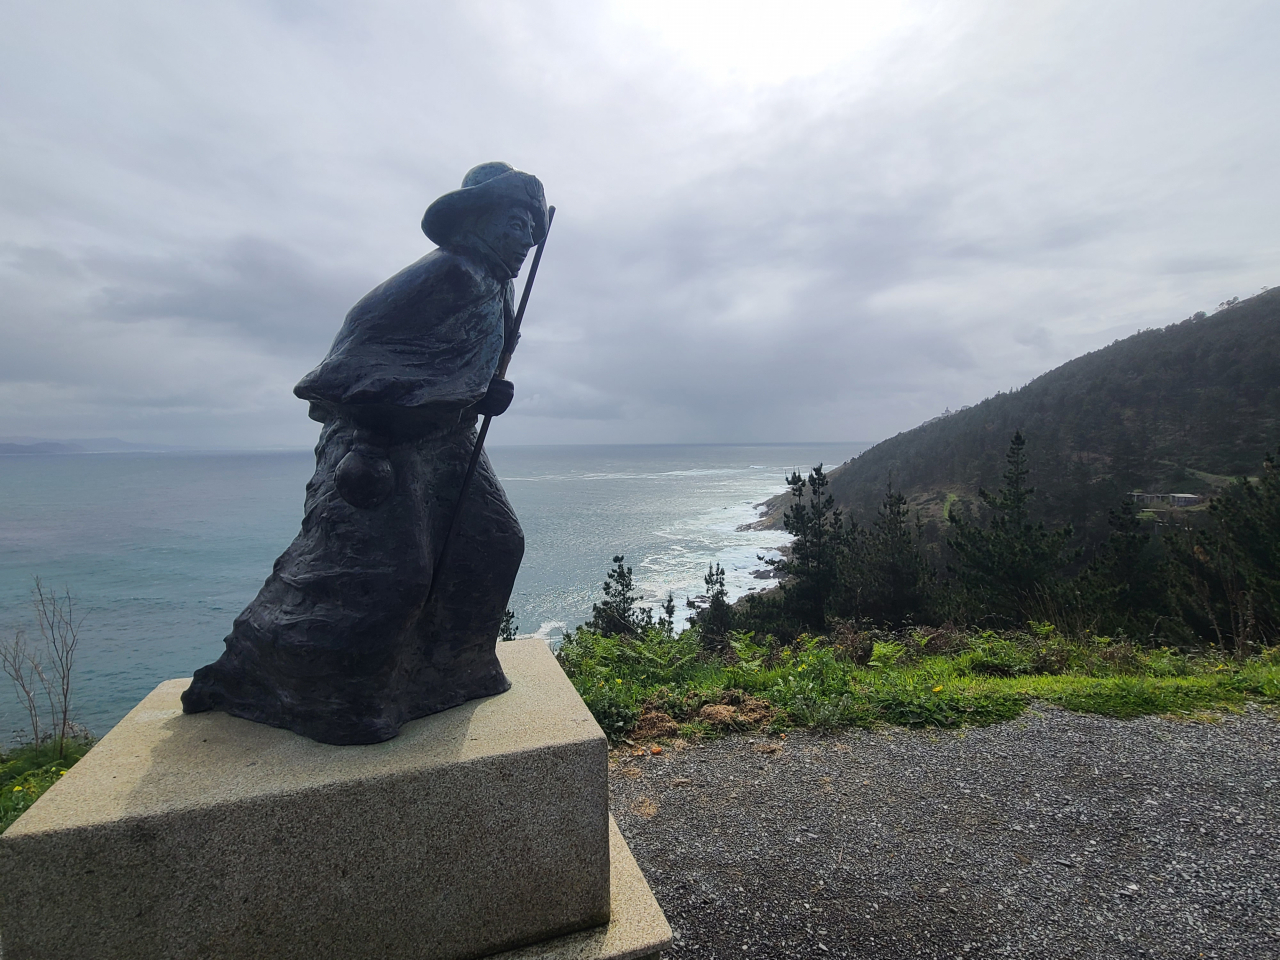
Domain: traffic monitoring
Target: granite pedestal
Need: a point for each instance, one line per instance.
(478, 830)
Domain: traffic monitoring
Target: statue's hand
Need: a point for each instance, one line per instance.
(497, 399)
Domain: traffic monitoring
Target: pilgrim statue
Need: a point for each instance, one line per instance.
(349, 637)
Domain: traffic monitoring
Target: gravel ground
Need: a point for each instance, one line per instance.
(1055, 835)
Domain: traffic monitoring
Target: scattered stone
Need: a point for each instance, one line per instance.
(1171, 832)
(644, 808)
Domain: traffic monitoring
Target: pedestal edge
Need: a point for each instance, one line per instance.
(637, 928)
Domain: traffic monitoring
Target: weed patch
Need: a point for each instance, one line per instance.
(938, 680)
(28, 771)
(1128, 697)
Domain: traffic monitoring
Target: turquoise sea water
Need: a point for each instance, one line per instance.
(161, 551)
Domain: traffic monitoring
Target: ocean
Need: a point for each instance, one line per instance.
(161, 551)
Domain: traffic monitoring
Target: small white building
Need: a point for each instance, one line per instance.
(1166, 499)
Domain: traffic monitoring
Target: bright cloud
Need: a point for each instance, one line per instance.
(777, 221)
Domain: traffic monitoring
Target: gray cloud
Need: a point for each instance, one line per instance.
(250, 287)
(192, 198)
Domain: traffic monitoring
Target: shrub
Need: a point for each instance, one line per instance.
(887, 654)
(993, 655)
(941, 677)
(613, 672)
(1163, 662)
(28, 771)
(614, 706)
(43, 673)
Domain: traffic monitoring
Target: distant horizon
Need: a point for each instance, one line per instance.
(143, 447)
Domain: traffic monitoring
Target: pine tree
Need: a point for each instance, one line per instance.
(667, 620)
(1227, 576)
(811, 570)
(1009, 568)
(716, 618)
(618, 614)
(886, 579)
(507, 631)
(1124, 589)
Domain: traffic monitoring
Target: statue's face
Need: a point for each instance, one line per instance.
(508, 232)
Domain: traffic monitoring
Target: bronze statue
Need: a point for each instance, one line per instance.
(361, 627)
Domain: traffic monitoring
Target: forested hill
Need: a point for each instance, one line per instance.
(1169, 410)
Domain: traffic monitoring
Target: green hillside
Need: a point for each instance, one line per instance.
(1173, 410)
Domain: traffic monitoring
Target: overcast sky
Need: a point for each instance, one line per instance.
(777, 221)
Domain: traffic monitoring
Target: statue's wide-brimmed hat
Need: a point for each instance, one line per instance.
(488, 185)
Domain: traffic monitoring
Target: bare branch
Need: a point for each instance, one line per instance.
(20, 666)
(61, 632)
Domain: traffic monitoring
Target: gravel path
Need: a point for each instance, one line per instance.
(1055, 835)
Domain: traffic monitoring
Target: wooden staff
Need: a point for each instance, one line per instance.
(503, 363)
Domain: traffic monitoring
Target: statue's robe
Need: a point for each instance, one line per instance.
(340, 644)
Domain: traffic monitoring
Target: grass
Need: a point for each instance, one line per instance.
(665, 685)
(946, 507)
(28, 771)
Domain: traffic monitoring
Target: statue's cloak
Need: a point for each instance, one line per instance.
(429, 337)
(340, 644)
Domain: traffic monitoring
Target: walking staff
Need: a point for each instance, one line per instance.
(488, 417)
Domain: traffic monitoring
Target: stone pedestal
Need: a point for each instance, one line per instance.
(479, 830)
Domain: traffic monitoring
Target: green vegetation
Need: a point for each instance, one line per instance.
(660, 683)
(28, 771)
(1211, 582)
(863, 627)
(41, 675)
(1226, 573)
(1167, 410)
(999, 565)
(508, 628)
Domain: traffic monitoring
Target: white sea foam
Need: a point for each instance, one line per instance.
(691, 545)
(544, 632)
(164, 550)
